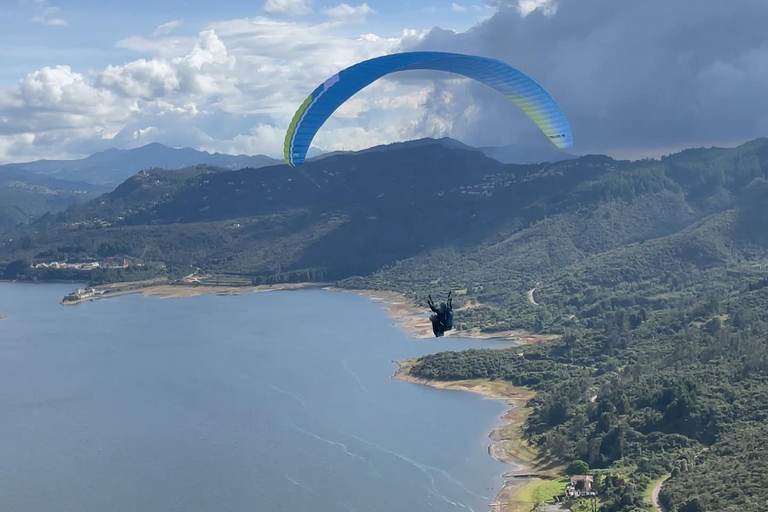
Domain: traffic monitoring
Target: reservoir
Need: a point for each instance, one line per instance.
(261, 402)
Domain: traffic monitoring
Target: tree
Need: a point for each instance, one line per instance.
(577, 467)
(713, 325)
(14, 268)
(692, 506)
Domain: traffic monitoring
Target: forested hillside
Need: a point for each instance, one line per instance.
(25, 197)
(654, 273)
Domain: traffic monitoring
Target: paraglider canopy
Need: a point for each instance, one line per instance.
(521, 89)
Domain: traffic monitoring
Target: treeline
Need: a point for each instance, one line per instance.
(643, 391)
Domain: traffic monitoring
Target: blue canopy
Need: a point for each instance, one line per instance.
(521, 89)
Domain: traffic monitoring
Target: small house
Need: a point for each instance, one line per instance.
(581, 486)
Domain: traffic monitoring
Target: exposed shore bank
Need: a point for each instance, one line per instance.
(508, 445)
(413, 318)
(165, 290)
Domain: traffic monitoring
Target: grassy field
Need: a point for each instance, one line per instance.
(539, 490)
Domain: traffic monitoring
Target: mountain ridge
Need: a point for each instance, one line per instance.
(112, 166)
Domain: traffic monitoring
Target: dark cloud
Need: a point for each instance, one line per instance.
(632, 75)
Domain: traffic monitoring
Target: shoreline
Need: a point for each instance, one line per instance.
(415, 319)
(162, 289)
(507, 445)
(408, 316)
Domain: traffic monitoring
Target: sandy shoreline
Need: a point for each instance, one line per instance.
(415, 319)
(506, 440)
(411, 317)
(165, 290)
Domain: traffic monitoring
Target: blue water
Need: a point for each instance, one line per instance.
(278, 401)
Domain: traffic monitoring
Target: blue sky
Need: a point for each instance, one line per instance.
(93, 27)
(636, 78)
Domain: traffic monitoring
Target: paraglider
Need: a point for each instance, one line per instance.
(442, 319)
(521, 89)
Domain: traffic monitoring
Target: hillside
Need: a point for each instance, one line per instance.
(403, 217)
(24, 197)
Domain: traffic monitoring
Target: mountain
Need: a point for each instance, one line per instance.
(513, 154)
(113, 166)
(531, 154)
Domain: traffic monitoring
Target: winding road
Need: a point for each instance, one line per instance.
(655, 496)
(530, 296)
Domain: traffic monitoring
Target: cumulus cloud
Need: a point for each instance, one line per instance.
(287, 7)
(346, 12)
(458, 7)
(201, 72)
(633, 76)
(208, 92)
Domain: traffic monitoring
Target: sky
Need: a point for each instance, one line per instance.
(636, 78)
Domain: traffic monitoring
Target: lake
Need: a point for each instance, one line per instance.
(265, 402)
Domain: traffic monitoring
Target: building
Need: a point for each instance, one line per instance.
(581, 486)
(82, 293)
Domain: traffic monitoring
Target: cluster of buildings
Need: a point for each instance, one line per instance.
(108, 263)
(83, 293)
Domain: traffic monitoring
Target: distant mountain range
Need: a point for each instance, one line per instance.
(29, 190)
(111, 167)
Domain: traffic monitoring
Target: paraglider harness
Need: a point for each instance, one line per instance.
(442, 320)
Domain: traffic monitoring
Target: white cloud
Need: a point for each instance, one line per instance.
(234, 88)
(346, 12)
(165, 47)
(145, 134)
(261, 139)
(46, 14)
(287, 7)
(52, 22)
(526, 7)
(458, 7)
(167, 28)
(203, 71)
